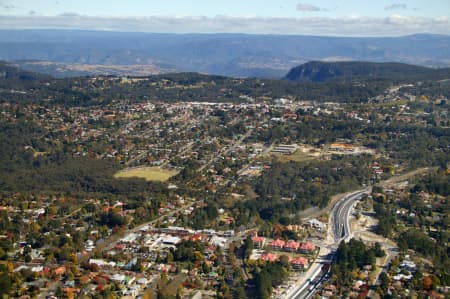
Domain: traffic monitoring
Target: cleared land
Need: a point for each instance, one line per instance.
(298, 156)
(147, 173)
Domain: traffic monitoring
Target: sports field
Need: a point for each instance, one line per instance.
(147, 173)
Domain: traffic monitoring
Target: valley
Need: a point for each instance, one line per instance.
(184, 184)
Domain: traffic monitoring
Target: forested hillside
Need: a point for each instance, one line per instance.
(317, 71)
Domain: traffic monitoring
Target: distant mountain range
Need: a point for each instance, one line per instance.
(350, 82)
(75, 52)
(318, 71)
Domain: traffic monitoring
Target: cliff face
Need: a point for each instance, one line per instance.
(317, 71)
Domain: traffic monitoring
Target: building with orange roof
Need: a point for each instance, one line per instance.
(59, 271)
(277, 244)
(299, 263)
(269, 257)
(307, 247)
(291, 246)
(258, 242)
(196, 237)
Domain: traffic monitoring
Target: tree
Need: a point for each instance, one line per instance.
(379, 252)
(5, 284)
(284, 261)
(240, 292)
(169, 257)
(263, 285)
(206, 268)
(384, 281)
(59, 292)
(248, 247)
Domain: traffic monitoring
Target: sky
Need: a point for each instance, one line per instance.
(320, 17)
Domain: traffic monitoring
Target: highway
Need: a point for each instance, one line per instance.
(339, 229)
(340, 215)
(311, 280)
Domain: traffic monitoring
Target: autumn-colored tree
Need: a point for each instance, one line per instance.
(84, 280)
(70, 293)
(147, 295)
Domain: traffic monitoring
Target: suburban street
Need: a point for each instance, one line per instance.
(150, 223)
(231, 148)
(391, 250)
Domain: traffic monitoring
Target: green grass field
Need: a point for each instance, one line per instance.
(147, 173)
(298, 156)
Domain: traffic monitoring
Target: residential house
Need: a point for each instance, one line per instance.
(258, 242)
(307, 247)
(59, 271)
(291, 246)
(269, 257)
(277, 244)
(299, 263)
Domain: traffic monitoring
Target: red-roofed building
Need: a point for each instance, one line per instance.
(209, 250)
(196, 237)
(291, 246)
(307, 247)
(120, 247)
(299, 263)
(46, 271)
(229, 220)
(277, 244)
(59, 271)
(258, 242)
(269, 257)
(100, 287)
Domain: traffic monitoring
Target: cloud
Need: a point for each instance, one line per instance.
(396, 6)
(394, 25)
(8, 7)
(69, 14)
(304, 7)
(31, 12)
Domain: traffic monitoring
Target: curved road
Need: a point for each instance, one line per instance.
(340, 215)
(339, 227)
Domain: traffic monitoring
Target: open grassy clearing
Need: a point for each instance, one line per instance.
(147, 173)
(298, 156)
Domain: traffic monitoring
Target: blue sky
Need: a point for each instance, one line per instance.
(211, 8)
(323, 17)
